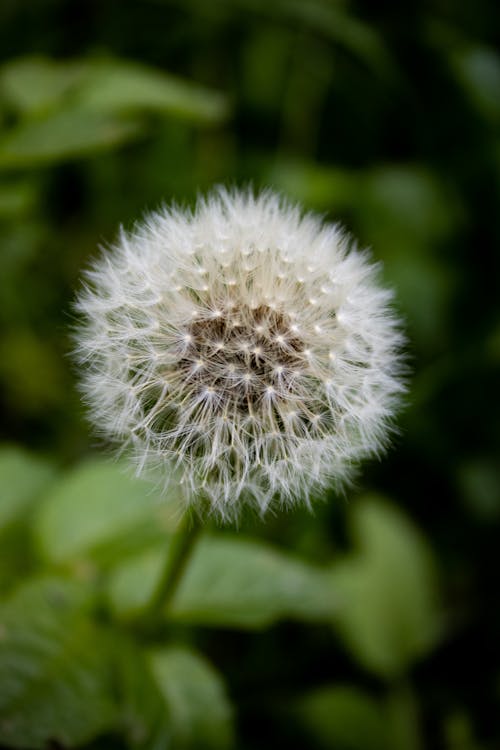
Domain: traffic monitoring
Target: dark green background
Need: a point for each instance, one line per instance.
(383, 115)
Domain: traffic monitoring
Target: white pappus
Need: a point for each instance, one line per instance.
(246, 348)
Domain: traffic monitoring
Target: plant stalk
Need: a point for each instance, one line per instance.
(178, 554)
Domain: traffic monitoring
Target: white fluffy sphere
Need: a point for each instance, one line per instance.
(246, 348)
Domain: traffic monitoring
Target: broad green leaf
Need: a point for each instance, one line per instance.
(56, 680)
(240, 583)
(344, 718)
(75, 108)
(133, 582)
(98, 511)
(112, 86)
(34, 84)
(229, 582)
(387, 611)
(64, 135)
(172, 698)
(37, 84)
(199, 711)
(23, 478)
(144, 718)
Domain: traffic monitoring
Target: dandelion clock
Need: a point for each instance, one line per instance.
(244, 349)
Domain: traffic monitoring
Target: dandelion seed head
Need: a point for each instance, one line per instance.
(246, 345)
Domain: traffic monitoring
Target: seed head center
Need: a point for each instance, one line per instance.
(243, 363)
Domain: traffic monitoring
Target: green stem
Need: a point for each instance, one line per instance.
(177, 557)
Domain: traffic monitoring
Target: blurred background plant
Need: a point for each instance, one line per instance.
(373, 623)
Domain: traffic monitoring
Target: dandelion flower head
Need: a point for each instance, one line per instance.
(245, 348)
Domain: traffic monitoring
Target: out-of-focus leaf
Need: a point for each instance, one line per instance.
(133, 582)
(78, 108)
(320, 187)
(387, 613)
(16, 199)
(405, 212)
(264, 84)
(34, 84)
(23, 477)
(459, 731)
(479, 485)
(228, 582)
(30, 370)
(405, 208)
(329, 19)
(194, 695)
(144, 718)
(64, 135)
(478, 69)
(56, 681)
(233, 582)
(112, 86)
(402, 716)
(37, 85)
(172, 698)
(18, 558)
(99, 511)
(344, 718)
(424, 288)
(335, 22)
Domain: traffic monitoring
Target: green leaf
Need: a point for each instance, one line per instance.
(55, 666)
(230, 582)
(325, 188)
(23, 478)
(34, 84)
(64, 135)
(18, 558)
(344, 718)
(75, 108)
(478, 70)
(241, 583)
(144, 718)
(97, 511)
(173, 698)
(195, 697)
(133, 582)
(406, 208)
(113, 86)
(387, 613)
(406, 212)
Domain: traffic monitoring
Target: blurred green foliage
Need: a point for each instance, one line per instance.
(374, 622)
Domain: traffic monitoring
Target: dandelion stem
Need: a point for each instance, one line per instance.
(176, 559)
